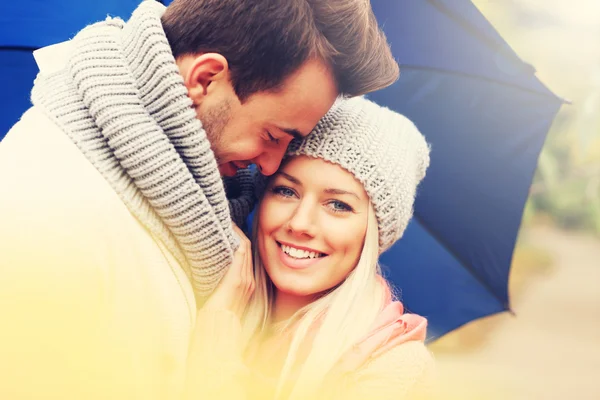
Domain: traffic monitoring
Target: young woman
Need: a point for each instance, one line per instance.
(310, 316)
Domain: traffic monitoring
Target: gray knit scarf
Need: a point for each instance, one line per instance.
(122, 101)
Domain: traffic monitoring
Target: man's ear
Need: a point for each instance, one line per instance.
(204, 70)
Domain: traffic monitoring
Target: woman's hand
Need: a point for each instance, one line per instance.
(215, 364)
(362, 352)
(236, 287)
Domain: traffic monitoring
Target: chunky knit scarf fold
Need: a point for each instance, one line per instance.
(123, 102)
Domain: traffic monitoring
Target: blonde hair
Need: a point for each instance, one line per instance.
(342, 316)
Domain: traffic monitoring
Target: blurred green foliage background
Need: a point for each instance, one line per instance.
(561, 39)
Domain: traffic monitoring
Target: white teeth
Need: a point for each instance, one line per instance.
(297, 253)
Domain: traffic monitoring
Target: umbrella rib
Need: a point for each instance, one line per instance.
(478, 34)
(549, 94)
(19, 48)
(465, 264)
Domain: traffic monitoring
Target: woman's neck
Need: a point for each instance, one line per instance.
(286, 305)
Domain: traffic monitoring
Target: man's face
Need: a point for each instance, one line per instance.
(259, 130)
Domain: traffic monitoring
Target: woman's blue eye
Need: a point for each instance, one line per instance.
(340, 206)
(283, 191)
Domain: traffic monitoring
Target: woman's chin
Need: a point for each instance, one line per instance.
(295, 287)
(295, 290)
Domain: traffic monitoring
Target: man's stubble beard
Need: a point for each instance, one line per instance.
(214, 120)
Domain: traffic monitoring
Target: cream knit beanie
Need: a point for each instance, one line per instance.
(382, 149)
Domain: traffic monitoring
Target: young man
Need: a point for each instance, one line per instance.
(114, 215)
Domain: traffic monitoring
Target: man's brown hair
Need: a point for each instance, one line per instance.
(264, 41)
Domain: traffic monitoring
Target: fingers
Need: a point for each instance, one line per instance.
(368, 348)
(246, 249)
(246, 267)
(239, 232)
(237, 266)
(380, 338)
(236, 287)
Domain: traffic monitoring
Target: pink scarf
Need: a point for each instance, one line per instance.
(391, 328)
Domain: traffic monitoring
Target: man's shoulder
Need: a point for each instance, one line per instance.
(33, 119)
(34, 141)
(60, 214)
(42, 169)
(50, 188)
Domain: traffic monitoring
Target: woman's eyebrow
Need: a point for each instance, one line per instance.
(340, 191)
(290, 178)
(328, 191)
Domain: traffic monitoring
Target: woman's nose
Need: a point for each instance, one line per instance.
(303, 220)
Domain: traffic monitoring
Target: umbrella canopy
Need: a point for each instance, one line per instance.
(486, 117)
(482, 109)
(30, 24)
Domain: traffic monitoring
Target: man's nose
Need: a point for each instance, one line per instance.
(268, 162)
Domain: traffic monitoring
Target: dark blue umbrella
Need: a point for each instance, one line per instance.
(482, 109)
(486, 116)
(27, 25)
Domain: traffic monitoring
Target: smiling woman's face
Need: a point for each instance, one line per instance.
(311, 226)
